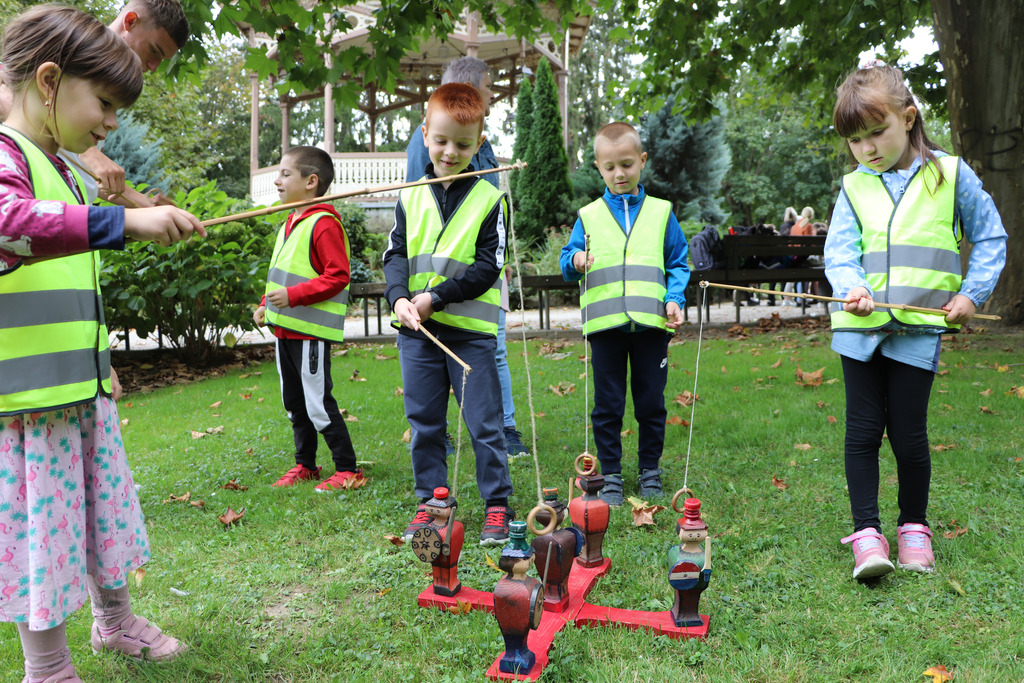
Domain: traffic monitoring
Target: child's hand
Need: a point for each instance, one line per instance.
(259, 316)
(115, 386)
(859, 302)
(961, 310)
(674, 314)
(582, 261)
(279, 297)
(424, 305)
(164, 225)
(407, 314)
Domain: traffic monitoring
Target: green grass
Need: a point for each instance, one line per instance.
(306, 587)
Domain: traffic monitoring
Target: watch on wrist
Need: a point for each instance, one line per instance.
(436, 302)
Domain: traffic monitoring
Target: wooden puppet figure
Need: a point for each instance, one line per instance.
(689, 566)
(440, 542)
(555, 553)
(518, 602)
(590, 514)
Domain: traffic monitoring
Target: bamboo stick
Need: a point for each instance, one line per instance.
(816, 297)
(81, 167)
(354, 193)
(445, 349)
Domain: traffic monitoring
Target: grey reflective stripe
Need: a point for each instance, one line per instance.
(618, 273)
(21, 309)
(432, 263)
(476, 309)
(308, 314)
(931, 258)
(104, 363)
(919, 296)
(48, 370)
(283, 278)
(420, 263)
(622, 304)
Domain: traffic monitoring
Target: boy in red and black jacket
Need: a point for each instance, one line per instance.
(305, 303)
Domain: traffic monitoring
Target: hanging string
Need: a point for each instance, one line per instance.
(586, 357)
(696, 374)
(526, 355)
(458, 436)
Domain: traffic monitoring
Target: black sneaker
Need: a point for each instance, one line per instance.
(449, 446)
(419, 520)
(650, 482)
(612, 491)
(496, 519)
(514, 442)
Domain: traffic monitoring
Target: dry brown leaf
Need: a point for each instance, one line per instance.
(197, 503)
(779, 484)
(382, 356)
(178, 499)
(802, 446)
(231, 517)
(626, 432)
(987, 392)
(1002, 368)
(942, 373)
(988, 411)
(407, 435)
(395, 540)
(1016, 391)
(809, 379)
(776, 364)
(248, 451)
(124, 422)
(245, 397)
(234, 486)
(725, 371)
(542, 414)
(832, 419)
(215, 430)
(562, 388)
(955, 531)
(938, 673)
(643, 514)
(492, 564)
(460, 607)
(676, 420)
(686, 399)
(399, 391)
(197, 435)
(355, 377)
(939, 447)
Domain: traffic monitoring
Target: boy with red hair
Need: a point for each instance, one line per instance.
(444, 257)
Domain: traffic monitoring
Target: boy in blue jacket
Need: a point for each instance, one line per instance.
(634, 276)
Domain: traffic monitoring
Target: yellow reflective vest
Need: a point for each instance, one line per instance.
(627, 283)
(440, 251)
(910, 246)
(54, 345)
(291, 265)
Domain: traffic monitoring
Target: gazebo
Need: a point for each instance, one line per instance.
(421, 70)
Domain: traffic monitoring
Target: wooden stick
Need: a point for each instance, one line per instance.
(816, 297)
(445, 348)
(354, 193)
(81, 167)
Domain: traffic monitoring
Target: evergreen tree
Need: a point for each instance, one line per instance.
(686, 164)
(524, 119)
(545, 193)
(129, 148)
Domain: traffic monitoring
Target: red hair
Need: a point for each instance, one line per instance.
(460, 101)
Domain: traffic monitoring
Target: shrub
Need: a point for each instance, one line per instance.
(191, 291)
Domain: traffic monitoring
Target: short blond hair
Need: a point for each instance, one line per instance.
(615, 131)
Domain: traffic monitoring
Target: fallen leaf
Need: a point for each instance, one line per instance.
(395, 540)
(197, 503)
(355, 377)
(686, 399)
(1002, 368)
(138, 574)
(832, 419)
(1016, 391)
(492, 564)
(776, 364)
(955, 585)
(644, 515)
(198, 435)
(542, 414)
(676, 420)
(802, 446)
(939, 447)
(382, 593)
(354, 482)
(399, 391)
(245, 397)
(938, 674)
(407, 435)
(987, 392)
(178, 499)
(124, 422)
(942, 373)
(627, 432)
(215, 430)
(988, 411)
(461, 607)
(562, 388)
(725, 370)
(809, 379)
(234, 486)
(382, 356)
(956, 531)
(248, 451)
(231, 517)
(779, 484)
(216, 405)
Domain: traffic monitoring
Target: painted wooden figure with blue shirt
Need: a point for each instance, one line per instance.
(895, 237)
(634, 274)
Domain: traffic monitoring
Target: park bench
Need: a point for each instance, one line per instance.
(367, 291)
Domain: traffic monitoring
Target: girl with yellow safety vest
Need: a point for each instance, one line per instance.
(895, 237)
(71, 525)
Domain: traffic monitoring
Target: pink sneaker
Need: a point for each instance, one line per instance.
(65, 675)
(870, 554)
(140, 639)
(915, 548)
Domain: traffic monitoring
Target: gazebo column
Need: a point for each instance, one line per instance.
(286, 116)
(254, 122)
(472, 34)
(562, 79)
(329, 118)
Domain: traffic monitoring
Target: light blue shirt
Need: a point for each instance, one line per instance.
(979, 222)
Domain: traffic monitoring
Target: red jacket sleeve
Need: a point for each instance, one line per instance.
(329, 258)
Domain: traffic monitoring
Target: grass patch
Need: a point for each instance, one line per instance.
(306, 587)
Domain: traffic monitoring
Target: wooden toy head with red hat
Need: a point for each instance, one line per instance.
(692, 529)
(589, 513)
(440, 542)
(689, 565)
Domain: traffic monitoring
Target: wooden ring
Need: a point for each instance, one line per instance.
(588, 471)
(675, 498)
(531, 520)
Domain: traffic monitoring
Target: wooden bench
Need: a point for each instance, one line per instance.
(367, 291)
(766, 248)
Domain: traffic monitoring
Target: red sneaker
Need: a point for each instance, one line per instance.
(342, 480)
(297, 474)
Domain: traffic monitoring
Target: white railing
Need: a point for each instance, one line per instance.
(351, 172)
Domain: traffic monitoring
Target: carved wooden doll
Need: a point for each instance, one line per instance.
(518, 602)
(440, 542)
(689, 566)
(589, 513)
(555, 552)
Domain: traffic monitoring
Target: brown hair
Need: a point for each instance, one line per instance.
(76, 42)
(166, 14)
(615, 131)
(868, 95)
(313, 160)
(461, 101)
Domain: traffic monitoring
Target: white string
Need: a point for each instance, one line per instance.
(586, 358)
(696, 374)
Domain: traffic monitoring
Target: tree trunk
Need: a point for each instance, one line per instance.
(979, 45)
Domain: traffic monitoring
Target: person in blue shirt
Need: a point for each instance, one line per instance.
(895, 237)
(634, 274)
(476, 73)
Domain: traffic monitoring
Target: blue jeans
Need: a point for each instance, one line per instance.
(504, 376)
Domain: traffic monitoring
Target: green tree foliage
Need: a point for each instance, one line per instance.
(686, 164)
(524, 122)
(132, 148)
(545, 193)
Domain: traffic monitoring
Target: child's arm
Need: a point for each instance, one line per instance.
(677, 272)
(574, 259)
(329, 259)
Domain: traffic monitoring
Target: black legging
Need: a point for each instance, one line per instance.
(886, 396)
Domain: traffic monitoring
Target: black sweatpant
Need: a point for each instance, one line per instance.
(884, 396)
(304, 366)
(645, 351)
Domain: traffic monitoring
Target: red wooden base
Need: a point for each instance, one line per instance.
(476, 599)
(660, 623)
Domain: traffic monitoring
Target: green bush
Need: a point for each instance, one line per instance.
(191, 291)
